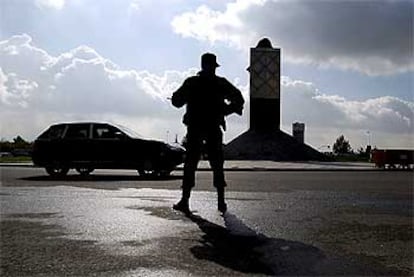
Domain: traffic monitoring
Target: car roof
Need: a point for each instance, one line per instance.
(88, 123)
(81, 122)
(84, 123)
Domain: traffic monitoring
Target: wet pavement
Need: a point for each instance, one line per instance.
(114, 223)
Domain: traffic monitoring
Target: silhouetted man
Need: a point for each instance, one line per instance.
(209, 98)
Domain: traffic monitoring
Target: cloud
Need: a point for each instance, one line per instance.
(79, 85)
(53, 4)
(302, 101)
(214, 26)
(373, 37)
(134, 6)
(38, 89)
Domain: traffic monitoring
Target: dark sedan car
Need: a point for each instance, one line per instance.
(87, 146)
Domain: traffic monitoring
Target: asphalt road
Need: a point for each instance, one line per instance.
(115, 223)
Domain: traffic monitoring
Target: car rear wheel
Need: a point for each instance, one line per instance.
(57, 171)
(84, 171)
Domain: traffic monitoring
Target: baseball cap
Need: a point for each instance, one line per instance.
(209, 59)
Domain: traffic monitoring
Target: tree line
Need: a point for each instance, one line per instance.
(17, 147)
(342, 150)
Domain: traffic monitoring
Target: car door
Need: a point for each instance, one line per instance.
(76, 143)
(110, 146)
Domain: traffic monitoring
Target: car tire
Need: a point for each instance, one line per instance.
(84, 171)
(57, 171)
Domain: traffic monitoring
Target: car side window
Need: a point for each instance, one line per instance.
(105, 132)
(77, 132)
(53, 132)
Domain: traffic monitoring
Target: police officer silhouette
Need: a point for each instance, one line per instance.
(208, 99)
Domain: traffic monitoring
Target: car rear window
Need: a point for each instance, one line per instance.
(77, 131)
(53, 132)
(105, 132)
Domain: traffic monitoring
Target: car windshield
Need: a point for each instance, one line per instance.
(128, 131)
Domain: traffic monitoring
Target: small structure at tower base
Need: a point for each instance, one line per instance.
(273, 146)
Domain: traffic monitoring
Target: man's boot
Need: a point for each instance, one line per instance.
(221, 204)
(183, 204)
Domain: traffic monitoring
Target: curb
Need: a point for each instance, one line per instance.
(241, 169)
(265, 169)
(17, 165)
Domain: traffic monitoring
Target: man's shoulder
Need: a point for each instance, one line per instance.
(199, 79)
(221, 78)
(223, 81)
(192, 78)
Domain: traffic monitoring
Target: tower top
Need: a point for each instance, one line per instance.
(264, 43)
(264, 72)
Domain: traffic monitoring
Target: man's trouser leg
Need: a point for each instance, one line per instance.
(192, 157)
(216, 159)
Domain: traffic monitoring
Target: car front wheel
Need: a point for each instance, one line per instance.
(57, 171)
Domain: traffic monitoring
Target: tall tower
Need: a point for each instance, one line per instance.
(264, 87)
(264, 140)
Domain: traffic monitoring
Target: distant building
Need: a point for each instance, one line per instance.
(298, 131)
(264, 140)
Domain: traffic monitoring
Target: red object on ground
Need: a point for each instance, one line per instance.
(392, 158)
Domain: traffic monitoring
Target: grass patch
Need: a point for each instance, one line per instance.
(18, 159)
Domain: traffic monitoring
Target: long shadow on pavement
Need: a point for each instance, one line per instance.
(240, 248)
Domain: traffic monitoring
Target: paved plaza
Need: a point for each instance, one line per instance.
(280, 222)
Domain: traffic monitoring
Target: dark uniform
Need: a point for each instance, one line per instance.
(208, 99)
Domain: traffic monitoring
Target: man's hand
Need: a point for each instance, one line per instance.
(239, 111)
(229, 109)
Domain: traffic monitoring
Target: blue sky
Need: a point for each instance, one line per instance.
(347, 65)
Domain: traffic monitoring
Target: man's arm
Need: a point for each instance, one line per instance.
(234, 98)
(180, 96)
